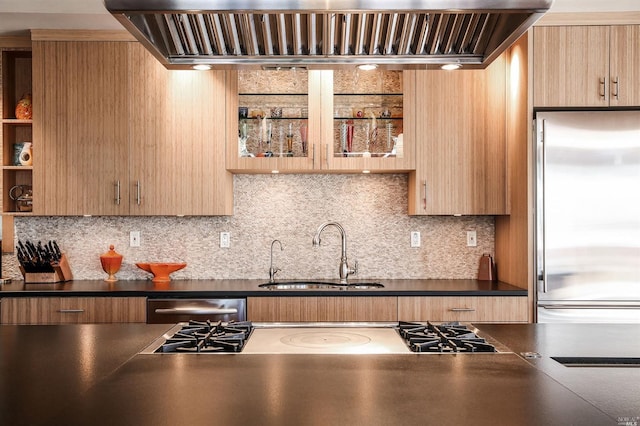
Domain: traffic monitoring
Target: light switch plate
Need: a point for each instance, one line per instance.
(225, 239)
(134, 239)
(415, 239)
(472, 239)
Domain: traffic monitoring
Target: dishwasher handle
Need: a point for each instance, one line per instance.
(167, 311)
(196, 311)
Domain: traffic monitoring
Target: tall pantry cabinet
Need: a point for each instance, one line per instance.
(121, 135)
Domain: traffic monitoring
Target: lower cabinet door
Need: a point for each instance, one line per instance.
(463, 308)
(72, 310)
(331, 309)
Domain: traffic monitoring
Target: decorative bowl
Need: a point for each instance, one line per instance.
(161, 270)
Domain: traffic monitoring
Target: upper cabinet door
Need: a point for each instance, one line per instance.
(460, 153)
(321, 121)
(366, 120)
(571, 66)
(177, 126)
(625, 65)
(81, 128)
(273, 120)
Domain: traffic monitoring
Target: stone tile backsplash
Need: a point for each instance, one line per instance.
(371, 208)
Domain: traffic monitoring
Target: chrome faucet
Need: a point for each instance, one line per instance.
(344, 265)
(273, 271)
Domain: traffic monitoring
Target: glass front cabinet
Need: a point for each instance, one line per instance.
(302, 120)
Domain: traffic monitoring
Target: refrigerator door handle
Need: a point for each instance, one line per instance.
(542, 279)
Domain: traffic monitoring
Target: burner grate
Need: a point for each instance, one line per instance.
(207, 336)
(442, 338)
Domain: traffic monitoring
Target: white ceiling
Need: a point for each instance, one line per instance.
(18, 16)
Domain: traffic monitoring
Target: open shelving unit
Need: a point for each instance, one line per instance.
(16, 82)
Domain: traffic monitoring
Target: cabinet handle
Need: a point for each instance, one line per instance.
(603, 87)
(196, 311)
(71, 311)
(313, 156)
(118, 192)
(463, 309)
(616, 84)
(424, 198)
(327, 155)
(138, 190)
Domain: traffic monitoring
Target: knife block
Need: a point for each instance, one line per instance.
(61, 272)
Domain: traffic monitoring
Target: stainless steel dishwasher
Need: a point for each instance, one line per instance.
(169, 311)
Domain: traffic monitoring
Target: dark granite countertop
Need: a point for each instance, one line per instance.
(615, 390)
(76, 374)
(244, 288)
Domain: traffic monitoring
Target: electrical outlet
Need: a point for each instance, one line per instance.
(134, 239)
(472, 239)
(225, 239)
(415, 239)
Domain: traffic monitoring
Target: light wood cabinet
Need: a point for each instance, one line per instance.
(72, 310)
(303, 309)
(118, 134)
(461, 142)
(586, 66)
(177, 138)
(80, 130)
(463, 308)
(624, 68)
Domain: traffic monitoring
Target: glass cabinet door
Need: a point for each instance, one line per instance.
(367, 129)
(274, 129)
(321, 120)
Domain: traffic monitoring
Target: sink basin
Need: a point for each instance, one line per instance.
(319, 285)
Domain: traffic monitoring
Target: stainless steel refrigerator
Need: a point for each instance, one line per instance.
(588, 216)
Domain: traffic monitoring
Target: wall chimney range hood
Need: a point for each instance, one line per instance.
(322, 34)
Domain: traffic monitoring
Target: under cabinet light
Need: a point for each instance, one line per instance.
(201, 67)
(367, 67)
(451, 67)
(275, 172)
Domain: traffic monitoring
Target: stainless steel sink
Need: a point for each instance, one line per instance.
(319, 285)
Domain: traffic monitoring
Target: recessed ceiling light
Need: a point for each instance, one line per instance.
(367, 67)
(201, 67)
(451, 67)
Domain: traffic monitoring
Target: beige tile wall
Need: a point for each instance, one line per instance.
(372, 209)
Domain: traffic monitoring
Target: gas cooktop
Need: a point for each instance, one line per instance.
(323, 338)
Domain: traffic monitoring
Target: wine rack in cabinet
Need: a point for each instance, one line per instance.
(17, 149)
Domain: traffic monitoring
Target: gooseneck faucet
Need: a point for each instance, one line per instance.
(273, 271)
(344, 265)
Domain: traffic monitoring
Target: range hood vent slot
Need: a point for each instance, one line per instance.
(416, 34)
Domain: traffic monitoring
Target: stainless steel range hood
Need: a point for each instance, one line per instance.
(316, 34)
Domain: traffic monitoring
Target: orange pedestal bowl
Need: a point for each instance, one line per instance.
(161, 270)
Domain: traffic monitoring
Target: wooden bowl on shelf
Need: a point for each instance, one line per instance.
(161, 270)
